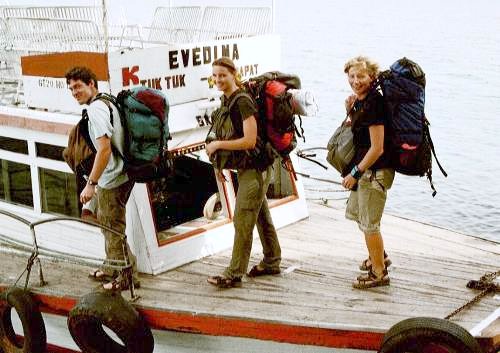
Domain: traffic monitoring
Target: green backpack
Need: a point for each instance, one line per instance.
(144, 117)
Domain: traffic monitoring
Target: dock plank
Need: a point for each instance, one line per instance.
(321, 255)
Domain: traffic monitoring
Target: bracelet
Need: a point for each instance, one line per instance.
(356, 173)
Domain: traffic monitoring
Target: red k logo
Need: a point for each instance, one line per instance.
(128, 74)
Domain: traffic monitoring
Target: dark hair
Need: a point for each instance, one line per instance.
(81, 73)
(226, 62)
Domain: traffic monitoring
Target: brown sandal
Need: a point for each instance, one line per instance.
(119, 283)
(224, 282)
(371, 280)
(365, 266)
(99, 276)
(256, 271)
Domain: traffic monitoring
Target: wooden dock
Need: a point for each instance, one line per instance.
(312, 301)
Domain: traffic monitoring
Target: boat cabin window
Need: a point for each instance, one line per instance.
(57, 188)
(15, 183)
(58, 192)
(49, 151)
(13, 145)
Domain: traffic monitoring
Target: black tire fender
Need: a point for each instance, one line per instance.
(415, 334)
(35, 337)
(110, 309)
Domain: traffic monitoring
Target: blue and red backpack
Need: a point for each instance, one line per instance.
(411, 146)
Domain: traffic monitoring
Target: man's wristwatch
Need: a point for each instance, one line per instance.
(91, 182)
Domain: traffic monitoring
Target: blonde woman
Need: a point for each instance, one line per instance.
(369, 174)
(251, 204)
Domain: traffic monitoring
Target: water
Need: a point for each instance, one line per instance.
(457, 43)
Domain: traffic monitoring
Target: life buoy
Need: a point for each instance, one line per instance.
(426, 334)
(213, 207)
(35, 338)
(95, 310)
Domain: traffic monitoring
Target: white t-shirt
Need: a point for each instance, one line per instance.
(100, 125)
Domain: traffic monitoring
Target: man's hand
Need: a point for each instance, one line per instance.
(87, 193)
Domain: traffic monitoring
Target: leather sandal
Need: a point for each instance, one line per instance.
(256, 271)
(224, 282)
(371, 280)
(99, 276)
(119, 283)
(366, 264)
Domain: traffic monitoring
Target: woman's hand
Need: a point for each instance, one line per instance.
(349, 102)
(212, 147)
(349, 182)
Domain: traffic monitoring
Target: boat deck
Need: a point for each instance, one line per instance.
(312, 301)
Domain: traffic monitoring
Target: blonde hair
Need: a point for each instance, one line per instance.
(226, 62)
(363, 62)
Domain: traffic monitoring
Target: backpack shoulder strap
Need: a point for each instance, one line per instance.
(238, 96)
(108, 100)
(84, 129)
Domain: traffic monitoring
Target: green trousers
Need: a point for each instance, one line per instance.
(252, 209)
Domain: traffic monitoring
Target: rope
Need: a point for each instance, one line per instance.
(301, 154)
(312, 149)
(486, 284)
(319, 179)
(325, 200)
(318, 190)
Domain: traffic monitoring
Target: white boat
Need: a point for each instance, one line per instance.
(176, 246)
(165, 229)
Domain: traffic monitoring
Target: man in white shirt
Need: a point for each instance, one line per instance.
(107, 180)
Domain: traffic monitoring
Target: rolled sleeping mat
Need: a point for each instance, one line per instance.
(304, 102)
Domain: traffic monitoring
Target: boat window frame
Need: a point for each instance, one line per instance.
(34, 162)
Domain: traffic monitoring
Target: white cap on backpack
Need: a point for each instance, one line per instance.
(304, 102)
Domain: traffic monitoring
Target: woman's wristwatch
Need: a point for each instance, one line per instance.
(356, 173)
(91, 182)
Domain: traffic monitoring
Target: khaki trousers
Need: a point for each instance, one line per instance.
(111, 213)
(252, 209)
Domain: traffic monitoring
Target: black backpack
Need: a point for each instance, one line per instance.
(411, 147)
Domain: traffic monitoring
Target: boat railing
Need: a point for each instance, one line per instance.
(41, 30)
(8, 57)
(90, 13)
(175, 24)
(195, 24)
(36, 250)
(35, 36)
(234, 22)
